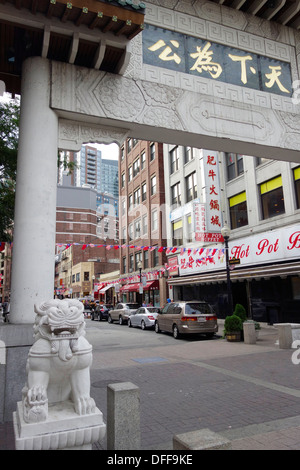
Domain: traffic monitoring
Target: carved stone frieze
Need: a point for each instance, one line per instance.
(73, 134)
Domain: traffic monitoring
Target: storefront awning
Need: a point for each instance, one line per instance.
(151, 285)
(102, 291)
(239, 274)
(130, 287)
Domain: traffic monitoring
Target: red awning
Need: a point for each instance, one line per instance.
(130, 287)
(151, 285)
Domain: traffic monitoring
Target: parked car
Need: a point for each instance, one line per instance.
(121, 312)
(144, 317)
(101, 312)
(187, 317)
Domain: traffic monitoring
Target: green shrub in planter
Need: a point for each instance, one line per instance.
(233, 323)
(240, 311)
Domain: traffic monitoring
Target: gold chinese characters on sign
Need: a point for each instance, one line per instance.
(190, 55)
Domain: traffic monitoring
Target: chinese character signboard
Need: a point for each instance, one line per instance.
(186, 54)
(208, 215)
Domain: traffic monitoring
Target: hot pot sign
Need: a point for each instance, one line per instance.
(282, 244)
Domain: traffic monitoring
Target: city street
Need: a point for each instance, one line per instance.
(248, 393)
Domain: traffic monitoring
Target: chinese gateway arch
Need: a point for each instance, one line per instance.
(194, 73)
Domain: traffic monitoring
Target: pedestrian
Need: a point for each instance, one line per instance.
(6, 308)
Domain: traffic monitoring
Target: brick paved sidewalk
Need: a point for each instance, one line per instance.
(248, 393)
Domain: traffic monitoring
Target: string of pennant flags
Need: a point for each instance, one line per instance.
(199, 256)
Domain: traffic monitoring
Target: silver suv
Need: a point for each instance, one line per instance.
(121, 312)
(187, 317)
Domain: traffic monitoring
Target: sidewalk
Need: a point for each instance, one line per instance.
(247, 393)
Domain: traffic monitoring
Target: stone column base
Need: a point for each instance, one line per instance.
(64, 429)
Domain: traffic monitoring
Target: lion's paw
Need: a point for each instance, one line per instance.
(84, 405)
(36, 405)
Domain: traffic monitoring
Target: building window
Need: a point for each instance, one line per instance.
(189, 229)
(129, 145)
(86, 276)
(177, 233)
(130, 232)
(153, 185)
(154, 221)
(144, 192)
(234, 164)
(174, 160)
(137, 196)
(136, 167)
(155, 258)
(152, 152)
(123, 206)
(143, 160)
(137, 228)
(131, 263)
(130, 202)
(124, 267)
(297, 185)
(130, 173)
(146, 259)
(123, 235)
(261, 160)
(191, 187)
(145, 225)
(77, 277)
(123, 180)
(188, 154)
(272, 201)
(238, 210)
(176, 195)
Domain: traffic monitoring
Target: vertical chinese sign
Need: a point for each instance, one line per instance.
(208, 215)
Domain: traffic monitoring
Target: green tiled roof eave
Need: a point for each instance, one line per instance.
(128, 4)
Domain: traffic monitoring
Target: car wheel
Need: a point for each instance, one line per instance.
(129, 323)
(120, 321)
(110, 320)
(143, 325)
(156, 327)
(176, 333)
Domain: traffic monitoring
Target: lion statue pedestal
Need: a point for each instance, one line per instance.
(57, 411)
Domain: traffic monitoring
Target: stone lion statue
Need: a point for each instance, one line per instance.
(58, 365)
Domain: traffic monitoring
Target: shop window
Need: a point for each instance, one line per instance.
(238, 210)
(272, 201)
(297, 185)
(177, 233)
(234, 164)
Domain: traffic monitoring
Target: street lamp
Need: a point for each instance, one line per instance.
(225, 231)
(139, 265)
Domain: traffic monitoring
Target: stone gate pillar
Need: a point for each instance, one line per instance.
(35, 207)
